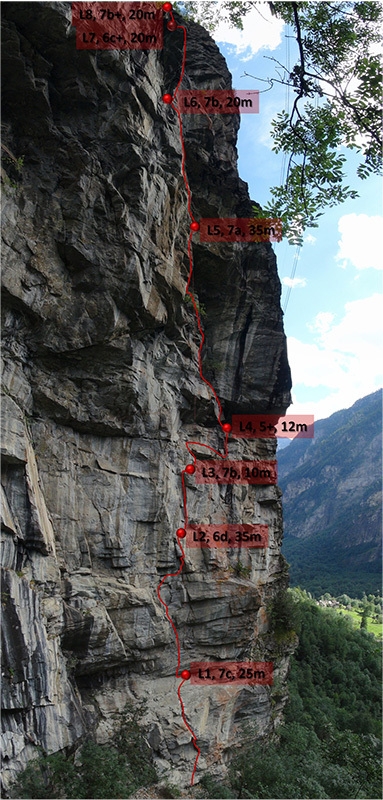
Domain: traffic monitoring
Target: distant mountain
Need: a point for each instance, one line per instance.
(332, 502)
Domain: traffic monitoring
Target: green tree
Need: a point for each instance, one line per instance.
(328, 745)
(283, 615)
(363, 621)
(99, 771)
(47, 777)
(336, 82)
(344, 600)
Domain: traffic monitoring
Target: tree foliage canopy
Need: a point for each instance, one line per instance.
(336, 84)
(329, 743)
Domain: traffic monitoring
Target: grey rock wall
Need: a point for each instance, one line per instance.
(102, 389)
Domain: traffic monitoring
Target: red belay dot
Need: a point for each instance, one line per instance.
(190, 468)
(194, 226)
(181, 533)
(172, 25)
(167, 7)
(185, 674)
(167, 98)
(226, 427)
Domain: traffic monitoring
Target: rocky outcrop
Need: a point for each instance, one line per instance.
(102, 389)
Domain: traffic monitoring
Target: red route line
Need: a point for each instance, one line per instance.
(188, 443)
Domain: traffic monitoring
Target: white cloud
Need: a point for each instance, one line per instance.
(269, 109)
(309, 239)
(260, 31)
(294, 282)
(361, 241)
(346, 360)
(322, 322)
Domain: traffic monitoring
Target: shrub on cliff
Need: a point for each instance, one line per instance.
(103, 772)
(284, 615)
(99, 771)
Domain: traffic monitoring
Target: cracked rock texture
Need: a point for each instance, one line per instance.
(102, 389)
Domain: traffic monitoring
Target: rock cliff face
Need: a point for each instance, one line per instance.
(102, 389)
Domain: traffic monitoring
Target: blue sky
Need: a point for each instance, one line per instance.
(333, 318)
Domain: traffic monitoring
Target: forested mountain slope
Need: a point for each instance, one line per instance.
(329, 745)
(332, 501)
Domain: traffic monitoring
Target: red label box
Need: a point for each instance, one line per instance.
(218, 101)
(273, 426)
(232, 229)
(230, 472)
(227, 536)
(118, 26)
(210, 673)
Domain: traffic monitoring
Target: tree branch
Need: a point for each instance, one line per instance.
(299, 36)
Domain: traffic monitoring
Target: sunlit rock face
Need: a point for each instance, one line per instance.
(102, 389)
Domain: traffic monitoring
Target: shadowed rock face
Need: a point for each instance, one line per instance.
(102, 390)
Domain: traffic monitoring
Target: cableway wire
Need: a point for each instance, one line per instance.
(283, 175)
